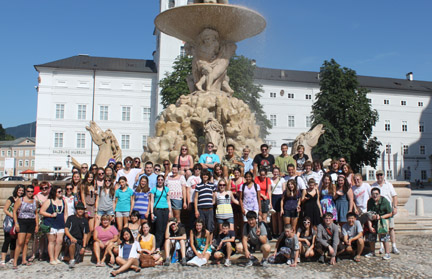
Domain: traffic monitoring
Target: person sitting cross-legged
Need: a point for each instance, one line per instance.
(287, 246)
(254, 238)
(352, 233)
(327, 239)
(128, 257)
(225, 244)
(77, 234)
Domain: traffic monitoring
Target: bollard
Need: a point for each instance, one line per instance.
(419, 209)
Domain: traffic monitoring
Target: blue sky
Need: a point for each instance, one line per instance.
(386, 38)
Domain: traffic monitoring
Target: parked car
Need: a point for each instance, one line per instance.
(12, 178)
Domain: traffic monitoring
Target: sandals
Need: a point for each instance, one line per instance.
(27, 263)
(32, 258)
(357, 259)
(99, 265)
(113, 274)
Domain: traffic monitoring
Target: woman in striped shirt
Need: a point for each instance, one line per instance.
(223, 199)
(142, 196)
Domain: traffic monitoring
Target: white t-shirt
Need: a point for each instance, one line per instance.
(313, 175)
(300, 182)
(131, 176)
(191, 183)
(277, 188)
(387, 190)
(361, 195)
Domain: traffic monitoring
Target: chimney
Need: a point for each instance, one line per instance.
(282, 73)
(253, 62)
(410, 76)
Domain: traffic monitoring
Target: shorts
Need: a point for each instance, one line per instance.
(177, 204)
(229, 220)
(391, 223)
(105, 212)
(122, 214)
(265, 206)
(27, 225)
(291, 213)
(372, 237)
(223, 249)
(276, 202)
(281, 255)
(244, 216)
(55, 231)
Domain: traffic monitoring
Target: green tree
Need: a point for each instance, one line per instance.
(348, 118)
(241, 73)
(3, 135)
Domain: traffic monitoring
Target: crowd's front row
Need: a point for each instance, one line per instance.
(135, 247)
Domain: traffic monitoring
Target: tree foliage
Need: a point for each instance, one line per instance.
(3, 135)
(241, 73)
(348, 118)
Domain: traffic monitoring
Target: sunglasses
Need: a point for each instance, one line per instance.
(44, 188)
(306, 222)
(29, 191)
(68, 189)
(264, 149)
(59, 191)
(84, 167)
(101, 173)
(108, 180)
(166, 164)
(222, 185)
(128, 162)
(380, 174)
(157, 169)
(184, 149)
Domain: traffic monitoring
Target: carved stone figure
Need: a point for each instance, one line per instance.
(214, 132)
(210, 62)
(107, 143)
(212, 1)
(309, 140)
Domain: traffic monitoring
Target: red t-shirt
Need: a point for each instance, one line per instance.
(264, 186)
(36, 190)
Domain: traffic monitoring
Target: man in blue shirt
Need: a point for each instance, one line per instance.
(210, 159)
(246, 160)
(148, 171)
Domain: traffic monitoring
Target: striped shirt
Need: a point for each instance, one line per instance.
(205, 195)
(141, 202)
(224, 209)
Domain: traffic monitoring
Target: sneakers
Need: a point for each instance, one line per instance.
(167, 261)
(381, 250)
(395, 251)
(298, 260)
(264, 263)
(370, 255)
(386, 257)
(321, 259)
(2, 264)
(71, 263)
(227, 262)
(183, 262)
(249, 263)
(288, 262)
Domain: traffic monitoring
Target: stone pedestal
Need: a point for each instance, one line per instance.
(403, 194)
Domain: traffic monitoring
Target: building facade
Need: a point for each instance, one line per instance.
(123, 95)
(17, 156)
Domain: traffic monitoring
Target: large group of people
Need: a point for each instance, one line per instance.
(132, 212)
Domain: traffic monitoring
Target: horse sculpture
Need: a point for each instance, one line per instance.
(309, 140)
(107, 143)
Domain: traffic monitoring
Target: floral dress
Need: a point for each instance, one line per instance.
(327, 204)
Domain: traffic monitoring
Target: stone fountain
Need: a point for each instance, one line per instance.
(209, 112)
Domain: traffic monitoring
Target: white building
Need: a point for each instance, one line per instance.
(123, 94)
(116, 93)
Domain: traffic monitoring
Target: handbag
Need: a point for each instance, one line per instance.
(13, 233)
(146, 260)
(44, 228)
(383, 226)
(8, 223)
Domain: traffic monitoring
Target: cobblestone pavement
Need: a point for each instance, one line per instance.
(413, 262)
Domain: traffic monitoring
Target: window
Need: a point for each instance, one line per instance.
(82, 111)
(308, 97)
(146, 114)
(407, 174)
(273, 120)
(291, 121)
(58, 139)
(26, 163)
(371, 174)
(421, 127)
(420, 104)
(21, 153)
(33, 152)
(2, 153)
(271, 143)
(290, 95)
(403, 103)
(103, 112)
(125, 141)
(389, 174)
(20, 163)
(144, 140)
(8, 153)
(308, 122)
(423, 175)
(388, 148)
(27, 153)
(15, 153)
(386, 102)
(422, 149)
(59, 111)
(126, 113)
(404, 126)
(369, 101)
(32, 163)
(57, 168)
(387, 125)
(171, 3)
(182, 51)
(272, 94)
(80, 140)
(405, 149)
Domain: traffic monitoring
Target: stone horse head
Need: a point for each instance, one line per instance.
(107, 143)
(309, 140)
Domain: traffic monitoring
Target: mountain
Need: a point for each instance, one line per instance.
(24, 130)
